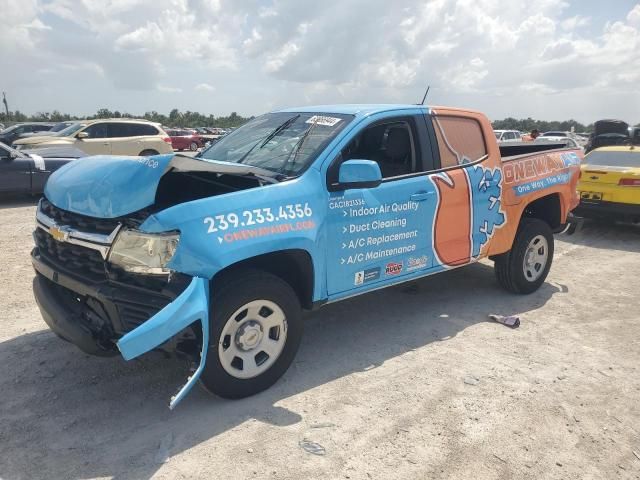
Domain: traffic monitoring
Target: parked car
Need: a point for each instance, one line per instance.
(609, 185)
(185, 140)
(55, 129)
(12, 133)
(508, 135)
(107, 137)
(217, 255)
(564, 140)
(608, 133)
(27, 173)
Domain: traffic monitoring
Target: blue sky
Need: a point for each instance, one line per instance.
(548, 59)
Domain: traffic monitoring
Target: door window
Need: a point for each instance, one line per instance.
(97, 130)
(391, 144)
(460, 140)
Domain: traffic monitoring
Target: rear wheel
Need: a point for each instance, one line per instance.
(526, 266)
(256, 327)
(147, 153)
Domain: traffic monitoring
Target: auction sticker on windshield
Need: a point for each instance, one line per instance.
(322, 120)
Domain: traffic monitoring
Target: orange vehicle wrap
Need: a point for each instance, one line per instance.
(523, 180)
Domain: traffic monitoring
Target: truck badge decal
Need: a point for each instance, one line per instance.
(393, 268)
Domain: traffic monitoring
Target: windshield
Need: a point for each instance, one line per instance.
(6, 150)
(554, 134)
(60, 126)
(11, 128)
(70, 130)
(613, 159)
(284, 143)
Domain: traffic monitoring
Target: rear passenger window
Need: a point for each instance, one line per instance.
(141, 129)
(124, 129)
(460, 140)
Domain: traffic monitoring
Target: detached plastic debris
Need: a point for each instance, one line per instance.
(511, 321)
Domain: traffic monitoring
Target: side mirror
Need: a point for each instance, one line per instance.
(359, 174)
(82, 135)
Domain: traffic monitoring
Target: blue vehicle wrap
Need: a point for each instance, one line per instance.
(357, 239)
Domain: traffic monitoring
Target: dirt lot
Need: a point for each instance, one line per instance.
(405, 383)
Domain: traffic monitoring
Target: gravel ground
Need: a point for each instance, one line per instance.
(409, 382)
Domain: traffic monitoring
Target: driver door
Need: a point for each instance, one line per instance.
(97, 142)
(379, 235)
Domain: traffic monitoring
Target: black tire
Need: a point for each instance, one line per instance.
(510, 266)
(229, 294)
(193, 146)
(148, 153)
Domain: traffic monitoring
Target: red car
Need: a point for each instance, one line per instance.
(183, 140)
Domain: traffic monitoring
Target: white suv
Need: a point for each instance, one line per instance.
(508, 135)
(116, 136)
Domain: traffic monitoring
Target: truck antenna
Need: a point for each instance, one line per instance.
(425, 95)
(6, 105)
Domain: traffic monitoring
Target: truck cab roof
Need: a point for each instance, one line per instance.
(354, 109)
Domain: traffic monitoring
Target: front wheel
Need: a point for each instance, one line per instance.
(193, 146)
(256, 326)
(526, 266)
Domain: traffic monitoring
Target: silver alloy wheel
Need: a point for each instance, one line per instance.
(252, 339)
(193, 146)
(535, 258)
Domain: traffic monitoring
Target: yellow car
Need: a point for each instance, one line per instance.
(609, 184)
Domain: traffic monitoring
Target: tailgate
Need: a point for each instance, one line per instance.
(621, 185)
(607, 175)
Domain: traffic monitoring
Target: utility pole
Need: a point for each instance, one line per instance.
(6, 105)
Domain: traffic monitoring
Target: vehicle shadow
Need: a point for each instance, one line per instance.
(606, 234)
(16, 201)
(68, 415)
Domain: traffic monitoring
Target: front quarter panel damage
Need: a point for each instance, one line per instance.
(190, 306)
(220, 231)
(207, 246)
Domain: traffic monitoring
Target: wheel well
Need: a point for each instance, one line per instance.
(546, 209)
(293, 266)
(148, 151)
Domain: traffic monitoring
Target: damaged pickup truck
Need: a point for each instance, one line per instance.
(215, 257)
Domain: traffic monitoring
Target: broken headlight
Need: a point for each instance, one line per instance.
(148, 253)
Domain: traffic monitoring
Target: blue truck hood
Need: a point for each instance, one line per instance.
(108, 187)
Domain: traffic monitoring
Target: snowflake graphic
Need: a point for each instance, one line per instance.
(486, 186)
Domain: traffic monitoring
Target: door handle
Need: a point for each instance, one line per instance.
(420, 196)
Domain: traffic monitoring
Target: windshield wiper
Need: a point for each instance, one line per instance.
(297, 147)
(269, 137)
(279, 129)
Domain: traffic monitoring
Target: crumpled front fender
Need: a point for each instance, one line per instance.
(190, 306)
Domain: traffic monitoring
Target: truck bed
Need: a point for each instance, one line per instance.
(513, 152)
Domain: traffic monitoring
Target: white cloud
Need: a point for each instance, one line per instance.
(575, 22)
(476, 53)
(633, 17)
(168, 89)
(205, 87)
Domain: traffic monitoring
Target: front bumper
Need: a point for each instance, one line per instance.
(603, 209)
(90, 315)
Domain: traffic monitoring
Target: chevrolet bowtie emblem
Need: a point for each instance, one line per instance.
(58, 234)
